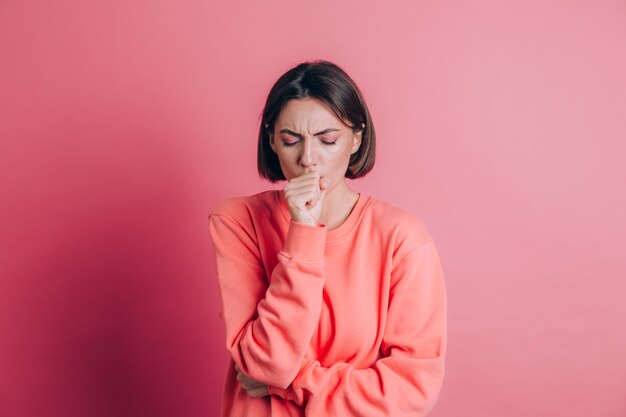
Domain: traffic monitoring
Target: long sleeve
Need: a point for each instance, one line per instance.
(407, 380)
(268, 322)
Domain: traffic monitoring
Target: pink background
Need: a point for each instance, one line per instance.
(501, 124)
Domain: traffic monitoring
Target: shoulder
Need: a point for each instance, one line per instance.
(404, 226)
(235, 216)
(242, 210)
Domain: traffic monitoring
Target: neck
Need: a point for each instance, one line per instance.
(338, 204)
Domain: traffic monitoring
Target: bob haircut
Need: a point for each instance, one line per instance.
(331, 85)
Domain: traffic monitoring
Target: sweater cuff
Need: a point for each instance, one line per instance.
(289, 393)
(306, 242)
(284, 393)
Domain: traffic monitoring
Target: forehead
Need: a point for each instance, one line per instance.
(302, 113)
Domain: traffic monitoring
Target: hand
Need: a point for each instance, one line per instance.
(305, 197)
(252, 387)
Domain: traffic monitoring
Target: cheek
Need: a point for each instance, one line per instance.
(342, 154)
(338, 159)
(287, 161)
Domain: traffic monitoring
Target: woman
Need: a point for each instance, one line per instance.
(334, 302)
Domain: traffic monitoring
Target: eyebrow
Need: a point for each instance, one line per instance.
(291, 132)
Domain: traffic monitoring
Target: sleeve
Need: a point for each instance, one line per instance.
(407, 380)
(268, 327)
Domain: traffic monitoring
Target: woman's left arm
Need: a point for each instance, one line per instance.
(408, 379)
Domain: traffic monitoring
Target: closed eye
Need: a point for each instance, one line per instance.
(325, 142)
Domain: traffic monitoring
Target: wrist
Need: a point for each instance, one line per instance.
(308, 222)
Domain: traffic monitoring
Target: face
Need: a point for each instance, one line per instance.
(309, 137)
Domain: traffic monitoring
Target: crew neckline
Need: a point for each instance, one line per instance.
(339, 232)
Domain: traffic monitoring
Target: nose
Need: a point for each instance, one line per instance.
(308, 158)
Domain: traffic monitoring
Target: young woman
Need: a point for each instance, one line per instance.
(334, 302)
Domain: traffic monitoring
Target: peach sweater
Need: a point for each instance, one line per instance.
(344, 322)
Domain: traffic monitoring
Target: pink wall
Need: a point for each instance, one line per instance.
(501, 124)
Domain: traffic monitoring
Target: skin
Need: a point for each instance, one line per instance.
(252, 387)
(316, 190)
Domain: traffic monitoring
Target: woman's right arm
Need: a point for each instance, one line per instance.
(268, 327)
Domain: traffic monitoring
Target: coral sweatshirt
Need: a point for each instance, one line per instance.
(343, 322)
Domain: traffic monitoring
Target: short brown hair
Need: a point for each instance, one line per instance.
(331, 85)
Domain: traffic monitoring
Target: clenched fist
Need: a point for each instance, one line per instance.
(253, 388)
(305, 197)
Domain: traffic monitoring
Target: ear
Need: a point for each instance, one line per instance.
(271, 138)
(356, 141)
(272, 142)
